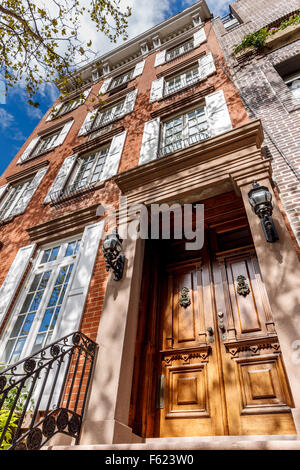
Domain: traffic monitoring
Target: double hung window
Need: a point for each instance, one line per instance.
(108, 115)
(183, 131)
(13, 199)
(180, 81)
(121, 79)
(88, 169)
(180, 50)
(45, 143)
(40, 304)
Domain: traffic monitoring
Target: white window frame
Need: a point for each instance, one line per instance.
(40, 147)
(78, 165)
(185, 135)
(123, 78)
(36, 269)
(114, 110)
(179, 50)
(183, 80)
(9, 201)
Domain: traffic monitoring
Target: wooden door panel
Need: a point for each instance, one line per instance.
(262, 385)
(189, 365)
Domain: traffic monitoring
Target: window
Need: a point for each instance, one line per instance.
(179, 81)
(89, 169)
(122, 79)
(230, 21)
(13, 200)
(67, 106)
(179, 50)
(108, 114)
(45, 143)
(183, 131)
(293, 82)
(41, 300)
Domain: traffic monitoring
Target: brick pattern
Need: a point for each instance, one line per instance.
(268, 98)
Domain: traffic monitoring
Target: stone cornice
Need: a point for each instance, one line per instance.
(67, 225)
(27, 172)
(130, 47)
(241, 140)
(200, 171)
(183, 103)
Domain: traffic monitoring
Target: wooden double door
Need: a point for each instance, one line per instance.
(209, 359)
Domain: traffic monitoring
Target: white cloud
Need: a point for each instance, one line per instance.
(218, 7)
(6, 119)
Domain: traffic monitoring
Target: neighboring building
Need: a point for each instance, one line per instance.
(268, 81)
(192, 342)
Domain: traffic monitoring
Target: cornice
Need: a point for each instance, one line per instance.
(161, 29)
(27, 172)
(209, 163)
(182, 103)
(64, 226)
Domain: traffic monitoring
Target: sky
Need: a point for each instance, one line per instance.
(18, 119)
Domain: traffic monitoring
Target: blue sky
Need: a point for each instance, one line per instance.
(18, 119)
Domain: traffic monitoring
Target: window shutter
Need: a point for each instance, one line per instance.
(61, 178)
(157, 90)
(13, 278)
(113, 158)
(217, 113)
(76, 296)
(160, 58)
(28, 150)
(56, 108)
(105, 86)
(86, 126)
(150, 141)
(74, 303)
(139, 68)
(206, 66)
(29, 192)
(3, 190)
(199, 37)
(63, 134)
(129, 102)
(86, 94)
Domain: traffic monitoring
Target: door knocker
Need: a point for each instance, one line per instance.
(242, 287)
(185, 300)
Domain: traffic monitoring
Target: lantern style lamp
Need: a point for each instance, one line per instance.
(260, 200)
(112, 247)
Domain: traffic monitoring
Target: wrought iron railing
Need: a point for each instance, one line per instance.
(180, 144)
(46, 393)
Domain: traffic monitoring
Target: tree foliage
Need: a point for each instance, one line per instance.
(40, 41)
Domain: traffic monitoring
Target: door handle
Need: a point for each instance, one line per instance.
(210, 334)
(221, 324)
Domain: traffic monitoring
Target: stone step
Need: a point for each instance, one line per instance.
(199, 443)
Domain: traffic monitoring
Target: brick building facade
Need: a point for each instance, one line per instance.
(173, 130)
(263, 81)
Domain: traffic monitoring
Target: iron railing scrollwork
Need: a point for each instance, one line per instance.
(46, 393)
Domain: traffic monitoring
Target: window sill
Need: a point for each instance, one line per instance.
(30, 159)
(179, 56)
(68, 196)
(186, 88)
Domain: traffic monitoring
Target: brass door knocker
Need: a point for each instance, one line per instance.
(242, 287)
(185, 300)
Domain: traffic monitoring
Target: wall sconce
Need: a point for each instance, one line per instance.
(112, 247)
(260, 200)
